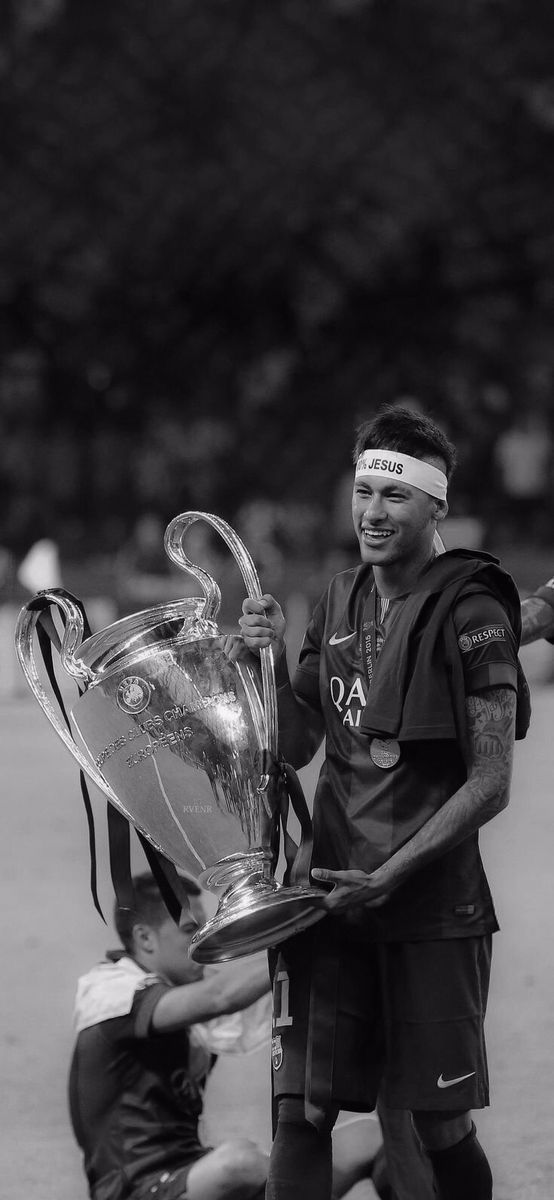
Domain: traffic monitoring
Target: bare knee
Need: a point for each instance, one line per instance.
(236, 1168)
(439, 1130)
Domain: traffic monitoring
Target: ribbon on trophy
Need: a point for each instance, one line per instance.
(48, 636)
(119, 828)
(180, 733)
(282, 778)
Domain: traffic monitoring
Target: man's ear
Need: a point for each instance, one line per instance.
(441, 509)
(143, 937)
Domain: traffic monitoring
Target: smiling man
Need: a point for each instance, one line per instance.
(409, 670)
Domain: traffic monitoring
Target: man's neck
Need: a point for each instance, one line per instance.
(398, 579)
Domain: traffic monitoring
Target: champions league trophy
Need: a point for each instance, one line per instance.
(173, 726)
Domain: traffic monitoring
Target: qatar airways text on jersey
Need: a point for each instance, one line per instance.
(348, 699)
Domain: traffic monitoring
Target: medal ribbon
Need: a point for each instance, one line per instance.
(384, 752)
(369, 635)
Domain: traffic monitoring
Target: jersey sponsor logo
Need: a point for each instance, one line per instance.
(277, 1052)
(335, 641)
(446, 1083)
(481, 637)
(349, 702)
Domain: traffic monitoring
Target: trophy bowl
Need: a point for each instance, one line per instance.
(177, 724)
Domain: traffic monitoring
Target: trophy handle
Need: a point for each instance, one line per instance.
(173, 541)
(70, 641)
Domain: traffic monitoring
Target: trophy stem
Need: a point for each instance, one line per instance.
(254, 917)
(235, 871)
(255, 911)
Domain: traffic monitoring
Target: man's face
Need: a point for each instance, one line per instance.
(393, 521)
(170, 951)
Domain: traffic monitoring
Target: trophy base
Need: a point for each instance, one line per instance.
(255, 920)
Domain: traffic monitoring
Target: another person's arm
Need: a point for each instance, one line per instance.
(537, 614)
(228, 989)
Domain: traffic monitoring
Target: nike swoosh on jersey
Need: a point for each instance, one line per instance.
(444, 1083)
(334, 640)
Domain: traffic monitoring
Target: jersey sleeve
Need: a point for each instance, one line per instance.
(145, 1000)
(486, 643)
(305, 683)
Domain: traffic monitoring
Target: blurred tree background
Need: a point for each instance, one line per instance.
(230, 229)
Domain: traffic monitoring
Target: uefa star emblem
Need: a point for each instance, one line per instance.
(465, 643)
(133, 694)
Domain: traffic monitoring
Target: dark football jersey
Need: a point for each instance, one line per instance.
(135, 1096)
(364, 813)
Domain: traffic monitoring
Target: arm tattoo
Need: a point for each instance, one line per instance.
(537, 619)
(490, 728)
(490, 724)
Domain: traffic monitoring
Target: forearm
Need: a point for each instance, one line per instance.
(231, 987)
(300, 727)
(488, 751)
(240, 983)
(537, 619)
(486, 791)
(461, 816)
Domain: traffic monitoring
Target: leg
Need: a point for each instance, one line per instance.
(437, 1067)
(355, 1146)
(408, 1166)
(236, 1170)
(301, 1157)
(459, 1163)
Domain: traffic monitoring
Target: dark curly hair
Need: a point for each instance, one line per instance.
(148, 906)
(408, 432)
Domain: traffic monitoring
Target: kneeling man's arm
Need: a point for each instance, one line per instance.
(226, 988)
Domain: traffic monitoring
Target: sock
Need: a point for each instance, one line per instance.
(462, 1171)
(300, 1166)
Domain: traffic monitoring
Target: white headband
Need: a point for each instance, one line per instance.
(402, 468)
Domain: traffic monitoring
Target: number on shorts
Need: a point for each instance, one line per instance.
(281, 1000)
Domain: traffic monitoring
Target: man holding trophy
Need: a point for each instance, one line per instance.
(409, 670)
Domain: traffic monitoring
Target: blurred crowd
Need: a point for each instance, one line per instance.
(232, 243)
(91, 512)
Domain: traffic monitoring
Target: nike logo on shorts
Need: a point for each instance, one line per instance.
(444, 1083)
(335, 641)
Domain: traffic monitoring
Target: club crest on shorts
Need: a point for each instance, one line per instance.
(133, 694)
(276, 1052)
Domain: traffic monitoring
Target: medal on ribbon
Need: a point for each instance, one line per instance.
(384, 752)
